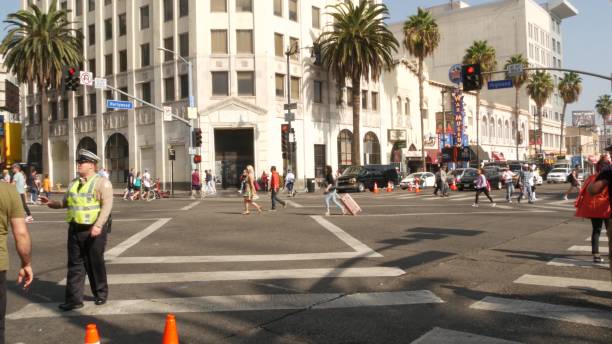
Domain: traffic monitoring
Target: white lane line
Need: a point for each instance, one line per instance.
(563, 201)
(211, 276)
(456, 213)
(502, 206)
(242, 258)
(294, 204)
(114, 220)
(584, 248)
(579, 315)
(190, 205)
(464, 198)
(576, 263)
(135, 239)
(233, 303)
(357, 245)
(601, 238)
(443, 336)
(550, 207)
(565, 282)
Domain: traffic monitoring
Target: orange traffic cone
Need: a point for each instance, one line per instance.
(91, 334)
(409, 187)
(416, 186)
(389, 187)
(170, 333)
(375, 190)
(453, 187)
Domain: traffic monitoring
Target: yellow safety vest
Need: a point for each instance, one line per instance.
(83, 207)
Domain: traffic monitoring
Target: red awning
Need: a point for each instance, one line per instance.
(432, 156)
(498, 156)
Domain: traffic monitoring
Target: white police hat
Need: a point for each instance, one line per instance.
(86, 156)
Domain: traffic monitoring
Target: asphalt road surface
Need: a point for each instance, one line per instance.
(412, 268)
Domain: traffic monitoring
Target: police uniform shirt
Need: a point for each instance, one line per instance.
(103, 191)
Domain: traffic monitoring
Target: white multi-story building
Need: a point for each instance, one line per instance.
(511, 27)
(240, 72)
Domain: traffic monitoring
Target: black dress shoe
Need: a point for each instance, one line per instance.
(68, 306)
(100, 302)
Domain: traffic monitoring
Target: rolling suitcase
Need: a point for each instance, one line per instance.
(350, 204)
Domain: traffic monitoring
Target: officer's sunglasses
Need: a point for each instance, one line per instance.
(83, 162)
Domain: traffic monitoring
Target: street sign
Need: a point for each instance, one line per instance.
(167, 113)
(86, 78)
(100, 83)
(192, 112)
(497, 84)
(119, 104)
(192, 151)
(291, 106)
(289, 116)
(515, 69)
(454, 74)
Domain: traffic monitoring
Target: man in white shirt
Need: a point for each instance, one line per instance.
(507, 178)
(146, 183)
(289, 182)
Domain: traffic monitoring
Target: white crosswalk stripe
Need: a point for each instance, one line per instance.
(444, 336)
(577, 263)
(565, 282)
(584, 248)
(601, 238)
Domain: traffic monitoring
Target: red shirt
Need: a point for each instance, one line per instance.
(195, 178)
(275, 181)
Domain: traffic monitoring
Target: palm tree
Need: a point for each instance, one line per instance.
(482, 53)
(604, 108)
(539, 87)
(518, 81)
(569, 87)
(359, 45)
(37, 47)
(421, 38)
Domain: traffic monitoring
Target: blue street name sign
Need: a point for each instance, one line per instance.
(493, 85)
(119, 104)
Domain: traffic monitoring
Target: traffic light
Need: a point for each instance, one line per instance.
(471, 77)
(285, 139)
(197, 137)
(71, 79)
(197, 159)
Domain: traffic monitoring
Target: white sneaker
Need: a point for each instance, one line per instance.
(509, 201)
(493, 205)
(327, 213)
(475, 205)
(565, 198)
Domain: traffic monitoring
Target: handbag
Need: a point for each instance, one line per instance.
(592, 206)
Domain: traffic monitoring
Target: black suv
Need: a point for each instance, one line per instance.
(493, 174)
(360, 178)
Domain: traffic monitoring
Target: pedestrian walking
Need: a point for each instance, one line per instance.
(210, 182)
(19, 181)
(536, 173)
(274, 187)
(438, 184)
(243, 181)
(444, 180)
(46, 186)
(196, 185)
(507, 176)
(331, 194)
(12, 214)
(33, 185)
(250, 193)
(526, 180)
(572, 178)
(146, 184)
(289, 182)
(264, 181)
(603, 180)
(89, 200)
(481, 184)
(130, 186)
(137, 187)
(596, 208)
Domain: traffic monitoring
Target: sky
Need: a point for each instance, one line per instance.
(587, 40)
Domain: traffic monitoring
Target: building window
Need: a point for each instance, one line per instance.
(145, 91)
(108, 29)
(122, 24)
(278, 8)
(407, 109)
(145, 59)
(319, 161)
(184, 44)
(65, 108)
(91, 5)
(278, 45)
(184, 86)
(107, 2)
(92, 66)
(293, 10)
(168, 44)
(64, 5)
(30, 115)
(183, 8)
(219, 41)
(279, 81)
(559, 47)
(294, 43)
(169, 89)
(91, 34)
(80, 106)
(345, 147)
(38, 114)
(371, 149)
(246, 83)
(349, 96)
(244, 41)
(399, 106)
(53, 107)
(79, 8)
(318, 91)
(364, 100)
(168, 10)
(220, 84)
(122, 60)
(244, 5)
(295, 88)
(218, 5)
(316, 17)
(374, 101)
(108, 64)
(144, 17)
(123, 96)
(93, 106)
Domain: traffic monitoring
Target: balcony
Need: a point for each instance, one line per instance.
(84, 124)
(115, 119)
(33, 132)
(58, 128)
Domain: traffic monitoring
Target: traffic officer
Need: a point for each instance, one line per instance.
(89, 200)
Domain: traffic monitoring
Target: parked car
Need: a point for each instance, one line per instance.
(558, 175)
(426, 180)
(455, 175)
(492, 173)
(361, 178)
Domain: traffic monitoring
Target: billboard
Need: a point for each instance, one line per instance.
(583, 118)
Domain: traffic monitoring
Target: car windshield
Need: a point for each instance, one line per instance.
(353, 170)
(417, 175)
(470, 173)
(561, 170)
(456, 172)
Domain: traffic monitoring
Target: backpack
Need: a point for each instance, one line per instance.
(592, 206)
(137, 182)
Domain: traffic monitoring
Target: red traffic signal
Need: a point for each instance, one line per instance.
(285, 128)
(197, 159)
(71, 71)
(470, 70)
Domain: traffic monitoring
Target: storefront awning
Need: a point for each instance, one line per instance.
(482, 154)
(432, 156)
(498, 156)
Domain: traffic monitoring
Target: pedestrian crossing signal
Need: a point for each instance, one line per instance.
(197, 159)
(285, 139)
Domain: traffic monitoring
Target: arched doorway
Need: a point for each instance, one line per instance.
(35, 156)
(371, 149)
(89, 144)
(59, 154)
(117, 157)
(345, 148)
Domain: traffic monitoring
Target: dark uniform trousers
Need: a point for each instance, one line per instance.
(85, 255)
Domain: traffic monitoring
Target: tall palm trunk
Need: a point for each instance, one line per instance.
(540, 134)
(562, 127)
(478, 128)
(355, 145)
(422, 111)
(516, 120)
(44, 125)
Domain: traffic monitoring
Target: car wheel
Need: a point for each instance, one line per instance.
(460, 188)
(361, 187)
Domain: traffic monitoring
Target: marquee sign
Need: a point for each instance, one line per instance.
(459, 116)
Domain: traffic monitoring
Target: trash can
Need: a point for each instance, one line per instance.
(310, 184)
